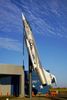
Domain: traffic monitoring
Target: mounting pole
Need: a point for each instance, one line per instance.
(30, 78)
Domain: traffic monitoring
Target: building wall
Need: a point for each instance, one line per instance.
(5, 90)
(11, 80)
(11, 69)
(5, 85)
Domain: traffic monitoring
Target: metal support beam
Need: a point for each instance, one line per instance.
(30, 78)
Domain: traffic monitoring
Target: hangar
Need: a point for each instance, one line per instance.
(11, 80)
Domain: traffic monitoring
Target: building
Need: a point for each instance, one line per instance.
(11, 80)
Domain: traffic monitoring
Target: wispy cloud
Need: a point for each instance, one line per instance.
(10, 20)
(48, 18)
(10, 44)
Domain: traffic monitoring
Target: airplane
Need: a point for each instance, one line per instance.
(45, 77)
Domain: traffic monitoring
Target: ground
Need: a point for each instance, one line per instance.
(19, 98)
(35, 98)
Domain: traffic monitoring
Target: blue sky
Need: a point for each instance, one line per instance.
(48, 20)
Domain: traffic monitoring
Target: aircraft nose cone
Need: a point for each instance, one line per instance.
(23, 17)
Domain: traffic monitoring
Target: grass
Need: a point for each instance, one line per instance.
(59, 89)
